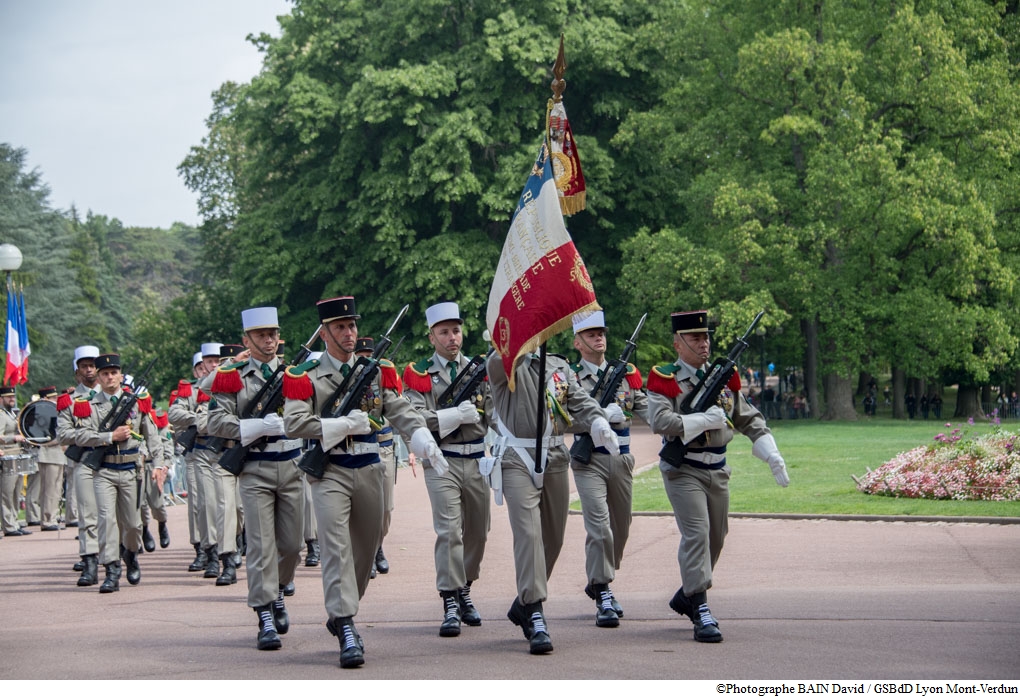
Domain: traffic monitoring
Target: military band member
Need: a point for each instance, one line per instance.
(537, 503)
(70, 409)
(698, 482)
(33, 482)
(460, 495)
(348, 499)
(153, 507)
(364, 346)
(118, 480)
(270, 482)
(51, 473)
(605, 484)
(12, 444)
(184, 414)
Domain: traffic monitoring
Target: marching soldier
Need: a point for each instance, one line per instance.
(538, 501)
(118, 480)
(70, 409)
(696, 476)
(364, 346)
(188, 412)
(460, 495)
(13, 451)
(270, 481)
(604, 484)
(51, 473)
(348, 498)
(152, 484)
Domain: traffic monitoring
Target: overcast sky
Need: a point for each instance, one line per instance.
(107, 96)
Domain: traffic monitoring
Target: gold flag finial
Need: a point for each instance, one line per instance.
(559, 67)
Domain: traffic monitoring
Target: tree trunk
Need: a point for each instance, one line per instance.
(899, 409)
(839, 398)
(809, 329)
(863, 379)
(968, 403)
(1016, 381)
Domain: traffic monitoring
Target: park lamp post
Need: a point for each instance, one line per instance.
(10, 260)
(761, 334)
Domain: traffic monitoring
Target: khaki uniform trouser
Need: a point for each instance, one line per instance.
(195, 521)
(349, 509)
(11, 495)
(229, 510)
(51, 478)
(460, 516)
(389, 460)
(88, 510)
(70, 494)
(33, 489)
(310, 525)
(700, 500)
(205, 474)
(536, 515)
(119, 517)
(272, 500)
(153, 507)
(605, 488)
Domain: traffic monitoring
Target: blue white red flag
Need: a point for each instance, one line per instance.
(541, 281)
(26, 348)
(12, 370)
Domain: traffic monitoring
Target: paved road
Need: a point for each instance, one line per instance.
(795, 599)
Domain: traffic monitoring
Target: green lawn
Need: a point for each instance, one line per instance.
(820, 458)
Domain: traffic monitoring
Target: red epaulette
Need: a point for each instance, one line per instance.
(297, 385)
(82, 408)
(183, 388)
(663, 383)
(388, 377)
(634, 378)
(145, 404)
(419, 382)
(227, 380)
(203, 397)
(734, 383)
(161, 420)
(173, 398)
(64, 401)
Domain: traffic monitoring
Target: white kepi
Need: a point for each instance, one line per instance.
(442, 312)
(589, 320)
(259, 318)
(84, 352)
(211, 349)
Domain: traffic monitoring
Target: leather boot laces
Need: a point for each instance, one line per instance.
(465, 596)
(705, 616)
(451, 608)
(278, 603)
(538, 623)
(266, 620)
(349, 641)
(606, 600)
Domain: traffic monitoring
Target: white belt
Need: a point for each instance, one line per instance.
(281, 446)
(547, 442)
(463, 448)
(356, 448)
(705, 457)
(623, 440)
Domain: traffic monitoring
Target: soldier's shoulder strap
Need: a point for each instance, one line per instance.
(416, 375)
(296, 382)
(662, 380)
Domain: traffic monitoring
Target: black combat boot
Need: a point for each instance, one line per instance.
(312, 557)
(280, 616)
(451, 614)
(352, 649)
(90, 570)
(229, 575)
(605, 615)
(79, 565)
(212, 564)
(468, 614)
(112, 582)
(268, 639)
(616, 606)
(706, 628)
(147, 540)
(134, 572)
(200, 559)
(540, 641)
(518, 616)
(381, 564)
(164, 536)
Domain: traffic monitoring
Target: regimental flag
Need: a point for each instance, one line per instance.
(12, 370)
(566, 161)
(541, 281)
(26, 348)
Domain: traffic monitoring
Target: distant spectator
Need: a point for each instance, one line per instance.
(936, 405)
(924, 406)
(886, 394)
(911, 405)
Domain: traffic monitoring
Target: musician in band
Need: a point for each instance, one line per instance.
(12, 454)
(118, 479)
(348, 497)
(460, 495)
(51, 465)
(152, 504)
(605, 483)
(698, 485)
(270, 482)
(538, 502)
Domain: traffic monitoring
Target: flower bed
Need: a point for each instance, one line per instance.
(956, 466)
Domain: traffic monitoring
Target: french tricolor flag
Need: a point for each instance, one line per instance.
(541, 281)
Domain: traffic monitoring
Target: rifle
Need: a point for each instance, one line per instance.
(186, 438)
(604, 392)
(267, 400)
(707, 391)
(348, 396)
(116, 417)
(465, 384)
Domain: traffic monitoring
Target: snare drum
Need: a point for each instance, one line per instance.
(23, 463)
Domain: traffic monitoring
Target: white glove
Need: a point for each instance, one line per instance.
(336, 430)
(712, 419)
(603, 437)
(454, 417)
(423, 445)
(765, 450)
(614, 414)
(253, 429)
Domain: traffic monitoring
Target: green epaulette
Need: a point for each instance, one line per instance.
(576, 367)
(666, 370)
(233, 366)
(422, 366)
(383, 363)
(303, 368)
